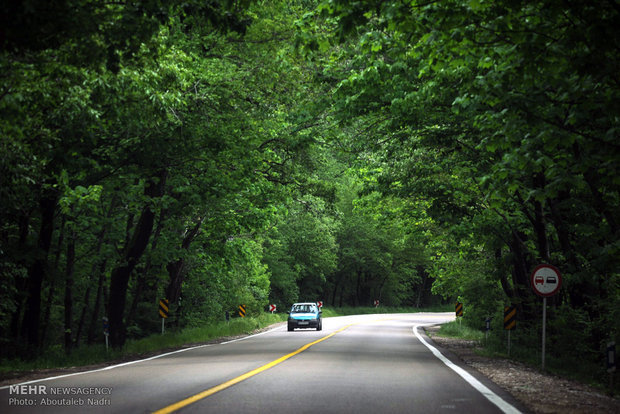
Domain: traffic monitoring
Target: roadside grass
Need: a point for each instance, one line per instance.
(456, 329)
(346, 311)
(201, 334)
(56, 358)
(86, 355)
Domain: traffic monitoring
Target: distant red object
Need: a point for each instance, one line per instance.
(539, 280)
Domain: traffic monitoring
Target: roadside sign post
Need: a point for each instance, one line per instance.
(272, 308)
(487, 323)
(458, 311)
(106, 331)
(508, 343)
(546, 281)
(510, 322)
(376, 303)
(163, 313)
(320, 304)
(544, 329)
(242, 310)
(611, 364)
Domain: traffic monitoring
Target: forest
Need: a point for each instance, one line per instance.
(221, 152)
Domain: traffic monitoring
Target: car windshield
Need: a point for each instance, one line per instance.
(303, 308)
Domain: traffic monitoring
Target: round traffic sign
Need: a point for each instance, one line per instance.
(546, 280)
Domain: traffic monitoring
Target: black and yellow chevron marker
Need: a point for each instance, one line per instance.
(163, 308)
(510, 317)
(458, 309)
(242, 310)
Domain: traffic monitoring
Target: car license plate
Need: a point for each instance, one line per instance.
(303, 323)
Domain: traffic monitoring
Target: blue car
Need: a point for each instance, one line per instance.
(305, 315)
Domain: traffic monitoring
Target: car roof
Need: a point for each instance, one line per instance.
(304, 303)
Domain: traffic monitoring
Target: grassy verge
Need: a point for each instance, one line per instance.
(56, 357)
(345, 311)
(458, 330)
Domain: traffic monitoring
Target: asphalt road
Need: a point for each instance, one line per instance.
(358, 364)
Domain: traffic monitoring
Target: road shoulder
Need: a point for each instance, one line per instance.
(538, 392)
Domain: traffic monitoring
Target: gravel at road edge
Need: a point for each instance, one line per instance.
(540, 392)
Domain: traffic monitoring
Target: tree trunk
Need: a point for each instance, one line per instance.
(176, 269)
(119, 280)
(94, 319)
(144, 272)
(21, 283)
(100, 270)
(600, 206)
(47, 312)
(424, 274)
(80, 325)
(610, 214)
(358, 288)
(137, 293)
(562, 231)
(38, 271)
(335, 291)
(520, 276)
(501, 273)
(578, 291)
(69, 291)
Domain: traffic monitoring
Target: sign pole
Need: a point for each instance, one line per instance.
(458, 310)
(487, 328)
(163, 312)
(106, 331)
(544, 329)
(508, 343)
(510, 321)
(611, 364)
(545, 280)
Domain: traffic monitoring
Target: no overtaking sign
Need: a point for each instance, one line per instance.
(546, 280)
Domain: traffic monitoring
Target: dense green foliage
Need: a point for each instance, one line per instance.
(500, 119)
(225, 152)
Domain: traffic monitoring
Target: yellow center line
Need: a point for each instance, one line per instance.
(204, 394)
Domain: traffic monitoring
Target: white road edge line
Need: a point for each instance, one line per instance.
(132, 362)
(490, 395)
(251, 336)
(106, 368)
